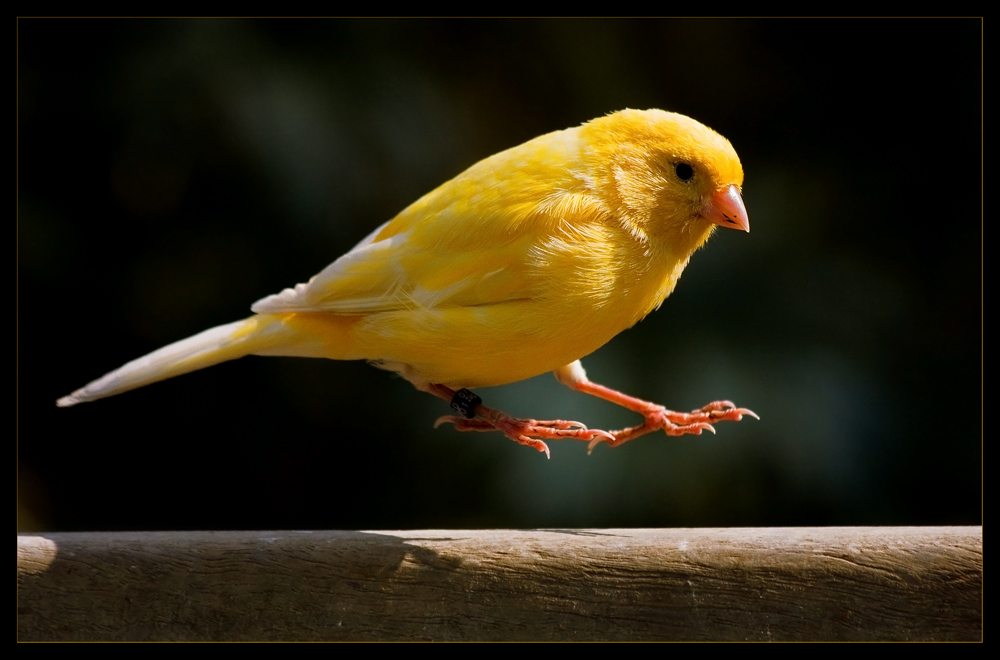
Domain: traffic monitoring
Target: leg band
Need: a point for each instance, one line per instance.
(464, 403)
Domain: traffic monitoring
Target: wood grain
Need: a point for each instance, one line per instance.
(891, 583)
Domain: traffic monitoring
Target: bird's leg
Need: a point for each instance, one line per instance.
(657, 416)
(474, 416)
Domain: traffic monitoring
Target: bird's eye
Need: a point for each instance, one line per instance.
(684, 171)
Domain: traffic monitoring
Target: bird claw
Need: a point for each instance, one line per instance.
(677, 423)
(724, 410)
(527, 432)
(533, 433)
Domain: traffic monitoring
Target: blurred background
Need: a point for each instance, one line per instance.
(172, 172)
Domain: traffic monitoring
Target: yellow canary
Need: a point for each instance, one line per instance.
(522, 264)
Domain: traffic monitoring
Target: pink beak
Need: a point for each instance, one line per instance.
(726, 209)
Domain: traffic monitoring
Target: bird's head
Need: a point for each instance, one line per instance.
(666, 175)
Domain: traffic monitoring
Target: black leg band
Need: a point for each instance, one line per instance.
(464, 403)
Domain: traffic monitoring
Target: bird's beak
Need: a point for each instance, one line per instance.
(726, 209)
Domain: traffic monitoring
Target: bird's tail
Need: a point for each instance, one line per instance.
(263, 334)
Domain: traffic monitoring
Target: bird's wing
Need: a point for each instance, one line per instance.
(470, 242)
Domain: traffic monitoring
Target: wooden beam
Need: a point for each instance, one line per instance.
(833, 583)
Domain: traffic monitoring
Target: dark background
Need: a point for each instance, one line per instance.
(172, 172)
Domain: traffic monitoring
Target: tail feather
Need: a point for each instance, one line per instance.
(219, 344)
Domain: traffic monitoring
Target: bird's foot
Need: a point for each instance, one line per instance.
(474, 416)
(676, 423)
(528, 432)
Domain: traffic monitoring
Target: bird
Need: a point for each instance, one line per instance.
(523, 264)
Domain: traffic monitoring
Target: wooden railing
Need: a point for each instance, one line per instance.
(835, 583)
